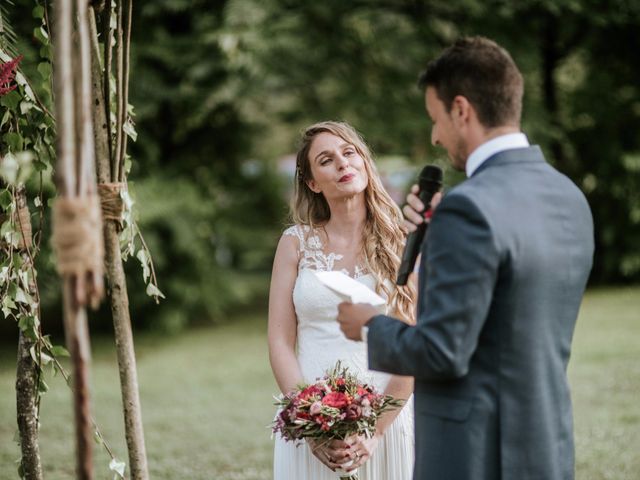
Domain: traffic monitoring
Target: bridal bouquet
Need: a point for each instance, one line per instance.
(336, 406)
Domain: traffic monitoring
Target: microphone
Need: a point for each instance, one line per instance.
(430, 182)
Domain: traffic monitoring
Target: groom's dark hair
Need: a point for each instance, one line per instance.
(484, 73)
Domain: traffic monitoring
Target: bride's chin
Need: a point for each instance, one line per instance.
(351, 193)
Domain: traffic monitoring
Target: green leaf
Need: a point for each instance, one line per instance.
(8, 305)
(144, 261)
(39, 166)
(25, 160)
(130, 131)
(32, 334)
(28, 93)
(44, 68)
(5, 199)
(17, 261)
(28, 326)
(44, 358)
(14, 140)
(12, 290)
(26, 323)
(46, 339)
(41, 34)
(127, 164)
(154, 291)
(5, 118)
(4, 273)
(42, 386)
(46, 52)
(22, 297)
(38, 12)
(25, 106)
(9, 234)
(59, 351)
(11, 100)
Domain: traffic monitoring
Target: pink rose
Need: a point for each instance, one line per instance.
(315, 408)
(353, 412)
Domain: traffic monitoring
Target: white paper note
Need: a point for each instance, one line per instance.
(349, 289)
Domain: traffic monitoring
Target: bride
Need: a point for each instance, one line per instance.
(346, 221)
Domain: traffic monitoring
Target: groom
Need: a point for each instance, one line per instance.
(504, 268)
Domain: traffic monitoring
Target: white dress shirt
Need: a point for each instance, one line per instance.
(509, 141)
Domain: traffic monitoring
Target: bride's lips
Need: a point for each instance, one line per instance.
(347, 177)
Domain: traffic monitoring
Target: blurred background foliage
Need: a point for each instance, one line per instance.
(222, 89)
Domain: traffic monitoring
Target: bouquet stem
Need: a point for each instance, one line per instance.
(344, 475)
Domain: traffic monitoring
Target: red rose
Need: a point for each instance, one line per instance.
(309, 392)
(336, 400)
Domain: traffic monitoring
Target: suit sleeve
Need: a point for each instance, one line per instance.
(462, 265)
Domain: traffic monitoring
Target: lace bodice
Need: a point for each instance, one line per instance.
(320, 343)
(312, 254)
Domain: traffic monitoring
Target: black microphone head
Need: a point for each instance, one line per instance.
(430, 177)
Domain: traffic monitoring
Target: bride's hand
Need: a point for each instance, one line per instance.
(361, 450)
(333, 453)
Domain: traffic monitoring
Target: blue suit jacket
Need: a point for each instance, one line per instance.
(504, 268)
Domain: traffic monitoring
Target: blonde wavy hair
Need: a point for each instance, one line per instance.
(382, 237)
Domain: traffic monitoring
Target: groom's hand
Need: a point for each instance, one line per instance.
(353, 316)
(412, 215)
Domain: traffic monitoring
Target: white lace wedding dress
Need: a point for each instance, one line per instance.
(320, 343)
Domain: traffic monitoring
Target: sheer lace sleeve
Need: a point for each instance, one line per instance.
(310, 251)
(297, 231)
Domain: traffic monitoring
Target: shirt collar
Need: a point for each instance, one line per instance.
(488, 149)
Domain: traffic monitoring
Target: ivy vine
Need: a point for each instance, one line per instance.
(27, 155)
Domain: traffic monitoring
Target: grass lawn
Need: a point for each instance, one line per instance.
(207, 398)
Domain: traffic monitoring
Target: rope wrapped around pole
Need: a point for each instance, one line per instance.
(111, 201)
(78, 243)
(24, 227)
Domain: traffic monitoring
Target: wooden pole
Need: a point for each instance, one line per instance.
(82, 277)
(27, 376)
(118, 287)
(77, 338)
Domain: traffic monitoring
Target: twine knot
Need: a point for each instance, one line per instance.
(78, 243)
(111, 201)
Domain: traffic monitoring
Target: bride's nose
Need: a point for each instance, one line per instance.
(342, 162)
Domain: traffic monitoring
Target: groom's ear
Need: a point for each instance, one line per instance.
(460, 109)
